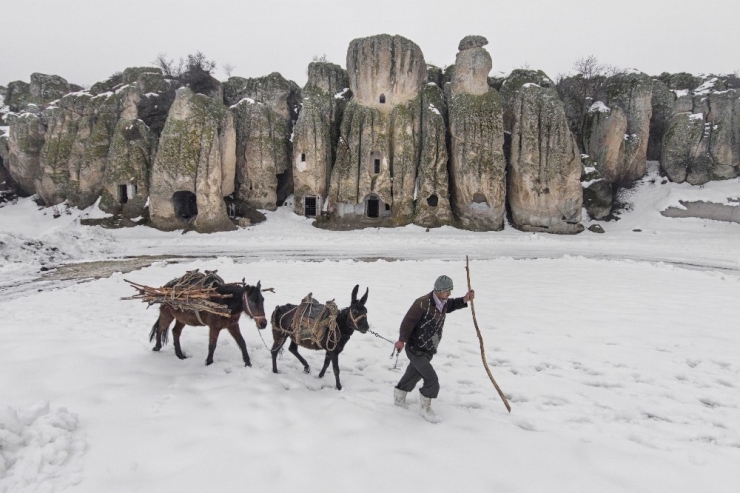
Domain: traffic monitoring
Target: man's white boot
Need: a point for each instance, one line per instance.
(399, 398)
(425, 409)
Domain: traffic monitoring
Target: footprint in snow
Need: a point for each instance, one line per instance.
(526, 425)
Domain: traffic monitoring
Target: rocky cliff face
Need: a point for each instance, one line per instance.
(25, 141)
(362, 167)
(409, 143)
(663, 100)
(263, 110)
(316, 134)
(544, 189)
(477, 163)
(632, 92)
(605, 134)
(385, 71)
(377, 157)
(702, 139)
(432, 203)
(191, 165)
(42, 89)
(145, 97)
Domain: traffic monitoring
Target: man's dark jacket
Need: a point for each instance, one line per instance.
(422, 326)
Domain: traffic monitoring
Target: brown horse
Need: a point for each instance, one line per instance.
(349, 319)
(242, 298)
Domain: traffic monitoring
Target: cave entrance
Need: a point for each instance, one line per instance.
(186, 206)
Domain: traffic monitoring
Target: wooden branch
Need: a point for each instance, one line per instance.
(480, 339)
(182, 298)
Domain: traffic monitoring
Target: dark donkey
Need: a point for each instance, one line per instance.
(242, 298)
(349, 319)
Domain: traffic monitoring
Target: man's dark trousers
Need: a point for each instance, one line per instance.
(420, 367)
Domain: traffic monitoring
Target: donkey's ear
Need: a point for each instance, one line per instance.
(259, 284)
(354, 293)
(364, 297)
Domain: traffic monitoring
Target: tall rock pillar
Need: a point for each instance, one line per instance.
(477, 163)
(544, 187)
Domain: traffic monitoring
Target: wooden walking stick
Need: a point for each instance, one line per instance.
(480, 338)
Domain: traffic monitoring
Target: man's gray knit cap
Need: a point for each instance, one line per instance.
(443, 283)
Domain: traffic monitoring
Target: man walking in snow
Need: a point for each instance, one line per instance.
(421, 331)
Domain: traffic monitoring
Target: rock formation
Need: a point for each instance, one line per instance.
(604, 139)
(544, 189)
(194, 166)
(18, 95)
(477, 163)
(432, 192)
(316, 134)
(132, 145)
(702, 140)
(374, 175)
(391, 141)
(663, 100)
(263, 110)
(385, 71)
(632, 91)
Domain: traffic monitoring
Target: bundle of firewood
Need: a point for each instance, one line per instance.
(182, 297)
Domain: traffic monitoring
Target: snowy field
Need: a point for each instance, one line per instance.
(618, 353)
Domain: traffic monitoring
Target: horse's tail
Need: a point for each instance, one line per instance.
(153, 333)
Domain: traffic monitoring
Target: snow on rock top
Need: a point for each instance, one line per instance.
(706, 87)
(600, 107)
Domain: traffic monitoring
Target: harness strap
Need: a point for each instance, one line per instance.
(245, 302)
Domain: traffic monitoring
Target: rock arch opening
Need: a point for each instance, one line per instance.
(186, 205)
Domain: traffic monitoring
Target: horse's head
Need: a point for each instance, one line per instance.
(254, 304)
(357, 313)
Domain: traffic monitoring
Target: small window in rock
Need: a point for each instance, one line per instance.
(376, 166)
(479, 198)
(432, 200)
(387, 207)
(303, 157)
(309, 206)
(382, 99)
(123, 193)
(373, 207)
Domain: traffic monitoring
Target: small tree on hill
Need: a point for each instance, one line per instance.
(194, 71)
(579, 91)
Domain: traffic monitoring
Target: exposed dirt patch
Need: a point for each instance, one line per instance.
(106, 268)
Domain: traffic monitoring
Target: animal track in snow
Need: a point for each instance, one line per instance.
(693, 363)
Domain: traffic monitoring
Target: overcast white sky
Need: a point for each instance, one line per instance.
(87, 40)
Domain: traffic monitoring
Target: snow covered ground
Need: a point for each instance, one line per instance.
(618, 353)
